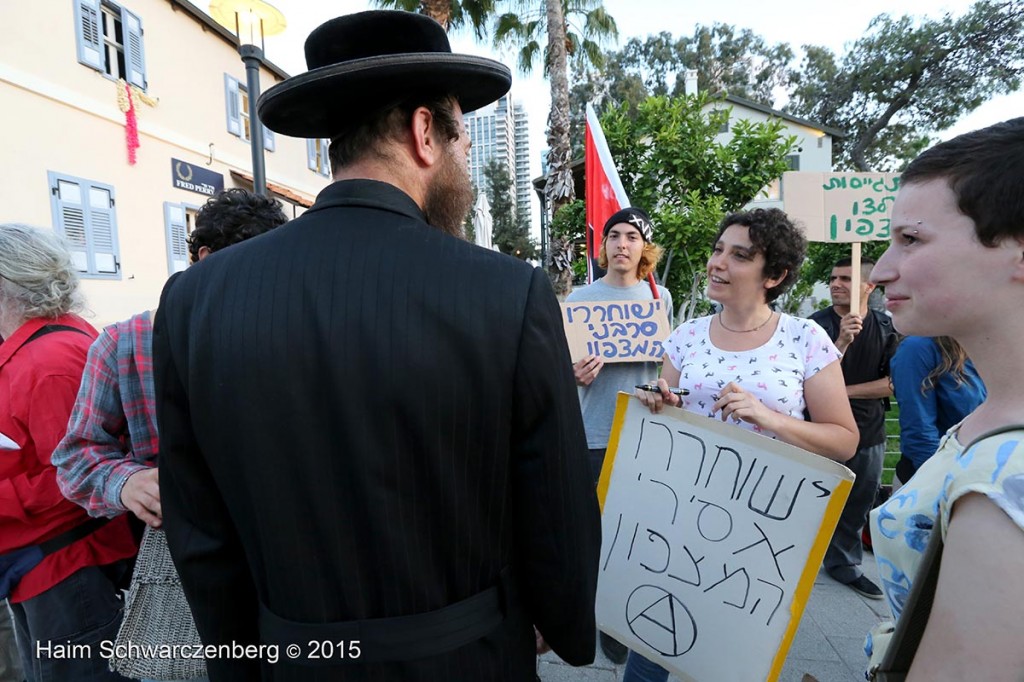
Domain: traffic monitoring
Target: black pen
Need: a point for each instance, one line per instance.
(656, 389)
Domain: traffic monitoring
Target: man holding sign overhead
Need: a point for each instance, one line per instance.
(629, 256)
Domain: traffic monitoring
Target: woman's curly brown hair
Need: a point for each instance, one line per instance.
(774, 236)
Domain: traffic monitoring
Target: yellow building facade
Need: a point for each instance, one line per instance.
(67, 71)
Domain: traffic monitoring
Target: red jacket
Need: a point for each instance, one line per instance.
(38, 385)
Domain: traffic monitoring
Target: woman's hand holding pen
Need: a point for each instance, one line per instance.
(738, 405)
(656, 400)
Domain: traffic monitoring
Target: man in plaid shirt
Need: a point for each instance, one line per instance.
(107, 461)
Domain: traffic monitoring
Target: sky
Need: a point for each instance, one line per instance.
(797, 22)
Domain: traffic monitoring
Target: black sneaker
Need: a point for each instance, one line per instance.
(865, 587)
(615, 650)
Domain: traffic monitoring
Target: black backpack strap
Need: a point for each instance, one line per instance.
(74, 535)
(51, 328)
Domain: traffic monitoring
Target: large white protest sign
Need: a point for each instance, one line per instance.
(616, 331)
(712, 538)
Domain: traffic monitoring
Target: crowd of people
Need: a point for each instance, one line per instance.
(358, 428)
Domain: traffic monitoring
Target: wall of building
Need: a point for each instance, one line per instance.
(813, 150)
(61, 116)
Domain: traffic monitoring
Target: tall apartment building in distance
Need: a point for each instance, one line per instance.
(500, 131)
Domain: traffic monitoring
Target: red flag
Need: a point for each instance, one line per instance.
(605, 194)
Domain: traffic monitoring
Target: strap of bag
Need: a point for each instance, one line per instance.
(74, 535)
(51, 328)
(914, 618)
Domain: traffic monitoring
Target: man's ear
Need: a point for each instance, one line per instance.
(427, 149)
(203, 252)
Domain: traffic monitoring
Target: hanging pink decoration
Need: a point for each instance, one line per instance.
(131, 127)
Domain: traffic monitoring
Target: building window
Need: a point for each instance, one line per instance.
(109, 40)
(236, 100)
(243, 113)
(317, 159)
(179, 222)
(83, 212)
(793, 162)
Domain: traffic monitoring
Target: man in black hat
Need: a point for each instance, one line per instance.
(628, 256)
(372, 458)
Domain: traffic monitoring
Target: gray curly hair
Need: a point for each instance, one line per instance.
(37, 278)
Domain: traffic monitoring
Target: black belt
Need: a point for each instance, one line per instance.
(401, 638)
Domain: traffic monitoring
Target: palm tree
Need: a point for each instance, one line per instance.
(525, 29)
(451, 14)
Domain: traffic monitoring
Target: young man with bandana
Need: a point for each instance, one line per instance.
(628, 255)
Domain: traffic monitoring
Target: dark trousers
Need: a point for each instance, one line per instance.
(596, 462)
(70, 620)
(846, 551)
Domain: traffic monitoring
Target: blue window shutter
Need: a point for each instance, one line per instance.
(231, 97)
(311, 149)
(104, 230)
(69, 218)
(134, 55)
(83, 212)
(89, 33)
(177, 237)
(268, 139)
(325, 162)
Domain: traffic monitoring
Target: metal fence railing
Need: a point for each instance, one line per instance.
(892, 442)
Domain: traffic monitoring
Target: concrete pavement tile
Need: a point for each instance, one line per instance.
(851, 650)
(810, 643)
(824, 671)
(841, 616)
(560, 672)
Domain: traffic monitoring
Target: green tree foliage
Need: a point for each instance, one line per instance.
(569, 227)
(451, 14)
(586, 26)
(671, 165)
(906, 78)
(559, 31)
(511, 232)
(726, 59)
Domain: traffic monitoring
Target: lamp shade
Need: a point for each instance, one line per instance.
(243, 17)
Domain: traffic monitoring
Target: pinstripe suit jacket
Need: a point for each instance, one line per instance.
(361, 417)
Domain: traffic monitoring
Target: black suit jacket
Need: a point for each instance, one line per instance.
(361, 417)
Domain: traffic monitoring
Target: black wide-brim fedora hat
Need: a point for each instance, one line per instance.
(361, 63)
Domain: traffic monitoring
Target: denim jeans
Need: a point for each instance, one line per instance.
(70, 620)
(639, 669)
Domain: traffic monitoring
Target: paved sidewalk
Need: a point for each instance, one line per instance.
(829, 643)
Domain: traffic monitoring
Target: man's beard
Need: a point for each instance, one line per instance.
(449, 196)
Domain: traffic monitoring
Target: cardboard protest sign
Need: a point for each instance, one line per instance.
(840, 207)
(711, 540)
(616, 331)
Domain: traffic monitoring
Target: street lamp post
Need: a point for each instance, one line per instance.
(251, 21)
